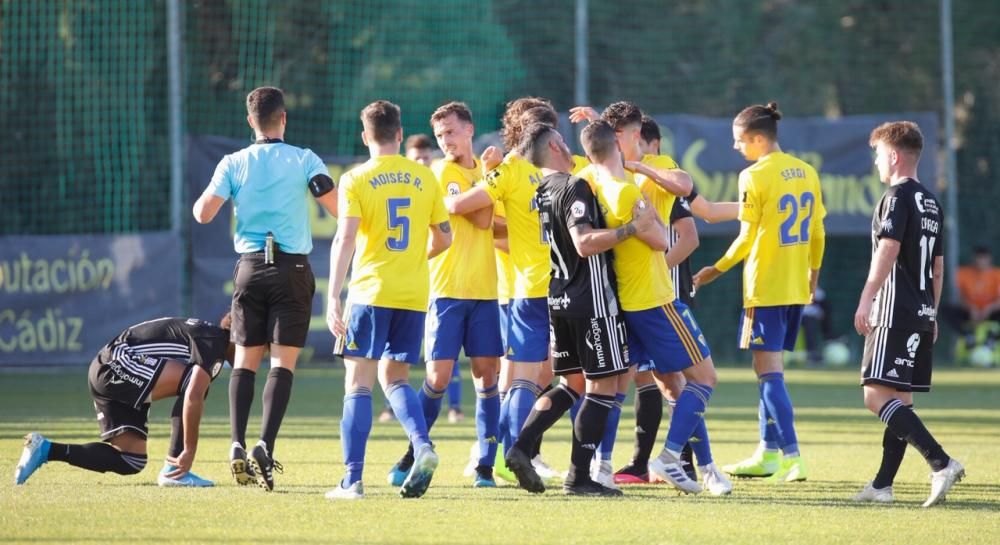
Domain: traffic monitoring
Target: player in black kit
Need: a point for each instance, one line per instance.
(147, 362)
(588, 339)
(898, 309)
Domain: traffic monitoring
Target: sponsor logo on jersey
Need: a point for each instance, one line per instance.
(559, 303)
(150, 362)
(912, 344)
(453, 188)
(892, 374)
(887, 225)
(685, 204)
(892, 204)
(918, 198)
(578, 209)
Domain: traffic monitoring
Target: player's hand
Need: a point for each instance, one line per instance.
(491, 157)
(706, 276)
(643, 215)
(862, 318)
(635, 166)
(182, 463)
(335, 317)
(583, 113)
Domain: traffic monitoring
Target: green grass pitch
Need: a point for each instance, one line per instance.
(840, 440)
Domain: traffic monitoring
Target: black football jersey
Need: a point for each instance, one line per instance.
(187, 340)
(909, 213)
(681, 274)
(578, 286)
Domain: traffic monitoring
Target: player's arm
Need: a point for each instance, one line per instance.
(324, 190)
(472, 200)
(713, 212)
(194, 408)
(817, 247)
(211, 200)
(590, 241)
(440, 239)
(656, 235)
(500, 229)
(882, 263)
(579, 114)
(341, 252)
(673, 180)
(687, 241)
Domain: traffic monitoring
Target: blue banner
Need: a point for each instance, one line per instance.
(65, 296)
(837, 148)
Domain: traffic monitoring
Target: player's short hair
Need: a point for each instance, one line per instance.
(622, 114)
(599, 140)
(534, 145)
(511, 131)
(458, 109)
(899, 135)
(381, 120)
(650, 129)
(418, 141)
(759, 119)
(265, 105)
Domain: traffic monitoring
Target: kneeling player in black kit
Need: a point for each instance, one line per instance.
(147, 362)
(588, 339)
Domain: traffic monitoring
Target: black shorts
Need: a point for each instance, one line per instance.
(898, 358)
(594, 346)
(120, 405)
(272, 303)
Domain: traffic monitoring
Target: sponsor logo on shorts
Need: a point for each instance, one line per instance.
(352, 346)
(216, 369)
(756, 339)
(912, 344)
(124, 376)
(595, 342)
(563, 354)
(927, 310)
(903, 362)
(892, 374)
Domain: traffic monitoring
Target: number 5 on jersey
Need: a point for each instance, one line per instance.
(400, 222)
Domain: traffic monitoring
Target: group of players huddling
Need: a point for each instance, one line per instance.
(539, 264)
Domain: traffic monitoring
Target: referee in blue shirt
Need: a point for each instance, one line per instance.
(273, 283)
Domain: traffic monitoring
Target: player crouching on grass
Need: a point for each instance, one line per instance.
(147, 362)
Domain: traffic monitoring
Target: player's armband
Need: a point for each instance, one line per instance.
(320, 185)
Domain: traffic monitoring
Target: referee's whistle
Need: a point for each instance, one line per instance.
(269, 249)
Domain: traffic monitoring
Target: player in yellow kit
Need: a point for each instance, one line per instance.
(513, 182)
(388, 209)
(782, 240)
(463, 312)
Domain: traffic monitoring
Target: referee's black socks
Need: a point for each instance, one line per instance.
(100, 457)
(905, 424)
(241, 387)
(277, 392)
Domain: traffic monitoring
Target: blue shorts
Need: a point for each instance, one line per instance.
(379, 332)
(528, 330)
(454, 324)
(504, 324)
(667, 335)
(770, 329)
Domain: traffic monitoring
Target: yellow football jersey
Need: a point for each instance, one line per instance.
(661, 199)
(513, 183)
(397, 201)
(643, 276)
(466, 270)
(505, 267)
(780, 195)
(579, 163)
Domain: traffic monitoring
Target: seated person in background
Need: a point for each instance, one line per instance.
(978, 291)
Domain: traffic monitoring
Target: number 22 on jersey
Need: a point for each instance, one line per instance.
(795, 228)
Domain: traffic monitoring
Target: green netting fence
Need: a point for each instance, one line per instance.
(83, 85)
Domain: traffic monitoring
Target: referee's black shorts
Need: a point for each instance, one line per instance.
(272, 303)
(594, 346)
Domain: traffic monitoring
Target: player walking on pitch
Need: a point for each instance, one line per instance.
(898, 310)
(782, 240)
(389, 207)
